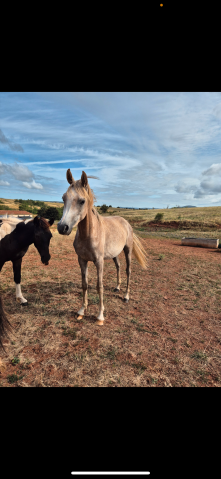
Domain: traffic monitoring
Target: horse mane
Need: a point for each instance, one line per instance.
(43, 223)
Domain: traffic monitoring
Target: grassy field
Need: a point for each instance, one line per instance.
(206, 215)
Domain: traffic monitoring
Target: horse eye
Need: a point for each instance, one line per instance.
(82, 202)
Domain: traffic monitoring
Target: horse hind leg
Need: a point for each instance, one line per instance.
(100, 266)
(117, 263)
(128, 254)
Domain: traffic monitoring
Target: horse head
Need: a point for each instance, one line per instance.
(77, 199)
(42, 236)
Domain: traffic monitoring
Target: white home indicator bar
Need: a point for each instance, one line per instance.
(112, 473)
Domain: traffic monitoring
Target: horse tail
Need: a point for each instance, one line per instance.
(139, 252)
(4, 323)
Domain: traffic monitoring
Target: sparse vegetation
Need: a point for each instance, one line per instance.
(104, 208)
(159, 217)
(15, 361)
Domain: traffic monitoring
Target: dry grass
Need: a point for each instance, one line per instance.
(211, 215)
(12, 204)
(169, 334)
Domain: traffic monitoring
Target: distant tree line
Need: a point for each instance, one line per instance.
(4, 207)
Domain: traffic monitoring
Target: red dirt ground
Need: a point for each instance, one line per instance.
(169, 334)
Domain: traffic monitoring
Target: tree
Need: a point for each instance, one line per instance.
(159, 217)
(104, 208)
(49, 212)
(110, 206)
(42, 211)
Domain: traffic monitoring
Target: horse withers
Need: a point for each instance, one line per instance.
(15, 238)
(97, 238)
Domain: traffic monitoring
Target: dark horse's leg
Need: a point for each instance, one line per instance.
(117, 262)
(84, 270)
(17, 280)
(128, 254)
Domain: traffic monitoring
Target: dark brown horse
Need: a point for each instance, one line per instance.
(13, 247)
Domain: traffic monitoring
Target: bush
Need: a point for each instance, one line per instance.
(159, 217)
(5, 208)
(104, 208)
(50, 212)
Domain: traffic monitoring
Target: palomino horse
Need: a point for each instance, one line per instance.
(97, 238)
(15, 238)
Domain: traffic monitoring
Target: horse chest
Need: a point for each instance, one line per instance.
(86, 249)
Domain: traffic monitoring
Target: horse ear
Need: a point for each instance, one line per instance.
(36, 220)
(51, 221)
(69, 177)
(84, 181)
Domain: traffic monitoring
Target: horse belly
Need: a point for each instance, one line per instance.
(114, 246)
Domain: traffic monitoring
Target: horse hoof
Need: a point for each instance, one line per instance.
(116, 290)
(80, 317)
(126, 300)
(99, 322)
(24, 304)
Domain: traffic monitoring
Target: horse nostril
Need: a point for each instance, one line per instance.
(65, 227)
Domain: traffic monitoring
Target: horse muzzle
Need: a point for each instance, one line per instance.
(45, 261)
(63, 229)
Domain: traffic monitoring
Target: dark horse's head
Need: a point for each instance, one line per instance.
(42, 236)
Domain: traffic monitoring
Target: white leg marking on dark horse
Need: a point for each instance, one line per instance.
(19, 296)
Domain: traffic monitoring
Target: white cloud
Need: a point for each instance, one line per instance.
(11, 145)
(17, 170)
(33, 184)
(214, 169)
(4, 183)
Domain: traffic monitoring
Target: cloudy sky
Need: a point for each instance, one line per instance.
(148, 149)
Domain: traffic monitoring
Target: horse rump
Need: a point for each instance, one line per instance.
(5, 325)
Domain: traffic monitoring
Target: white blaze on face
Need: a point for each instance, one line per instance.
(71, 213)
(19, 296)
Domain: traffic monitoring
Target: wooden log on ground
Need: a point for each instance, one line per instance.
(203, 242)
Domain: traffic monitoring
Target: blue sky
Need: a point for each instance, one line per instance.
(148, 149)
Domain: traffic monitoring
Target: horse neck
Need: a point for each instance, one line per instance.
(25, 235)
(85, 227)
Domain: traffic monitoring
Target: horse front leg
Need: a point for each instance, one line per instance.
(100, 266)
(84, 270)
(17, 279)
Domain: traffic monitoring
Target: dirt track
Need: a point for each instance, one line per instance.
(169, 334)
